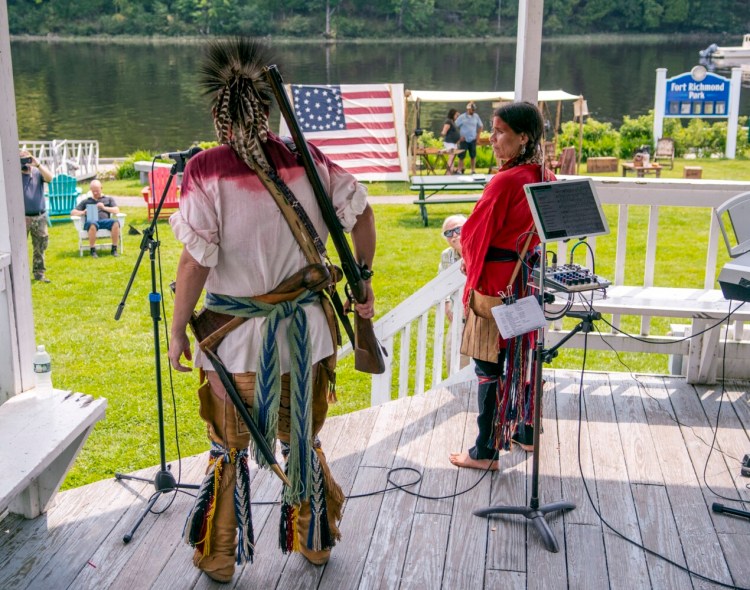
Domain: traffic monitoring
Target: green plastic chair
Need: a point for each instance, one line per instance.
(62, 196)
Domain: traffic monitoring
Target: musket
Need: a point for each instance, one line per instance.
(368, 353)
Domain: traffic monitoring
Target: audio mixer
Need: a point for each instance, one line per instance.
(570, 278)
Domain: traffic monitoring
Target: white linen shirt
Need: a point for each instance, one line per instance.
(230, 223)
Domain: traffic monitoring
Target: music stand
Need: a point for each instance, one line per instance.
(163, 480)
(562, 210)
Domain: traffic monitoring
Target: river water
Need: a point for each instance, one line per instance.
(132, 96)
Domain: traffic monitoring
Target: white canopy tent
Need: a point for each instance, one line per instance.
(499, 96)
(496, 97)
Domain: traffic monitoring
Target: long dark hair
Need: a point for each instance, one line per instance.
(452, 113)
(524, 117)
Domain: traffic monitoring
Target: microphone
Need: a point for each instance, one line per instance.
(184, 155)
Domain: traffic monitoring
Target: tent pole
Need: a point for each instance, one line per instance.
(580, 134)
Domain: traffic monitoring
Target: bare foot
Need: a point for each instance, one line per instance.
(463, 460)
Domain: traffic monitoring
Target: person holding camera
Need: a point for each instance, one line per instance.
(33, 177)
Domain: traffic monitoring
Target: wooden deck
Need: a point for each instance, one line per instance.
(643, 470)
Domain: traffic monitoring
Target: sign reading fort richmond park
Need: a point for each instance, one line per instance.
(698, 93)
(688, 97)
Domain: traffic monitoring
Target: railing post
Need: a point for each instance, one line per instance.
(381, 384)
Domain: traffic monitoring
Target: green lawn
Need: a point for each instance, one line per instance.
(93, 353)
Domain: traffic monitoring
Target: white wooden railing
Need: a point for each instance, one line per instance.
(415, 314)
(427, 306)
(75, 157)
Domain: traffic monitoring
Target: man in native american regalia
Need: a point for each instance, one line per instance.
(281, 357)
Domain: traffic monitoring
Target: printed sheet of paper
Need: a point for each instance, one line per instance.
(519, 318)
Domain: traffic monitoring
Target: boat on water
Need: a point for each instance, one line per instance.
(717, 53)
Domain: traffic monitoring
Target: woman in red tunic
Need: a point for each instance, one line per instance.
(492, 238)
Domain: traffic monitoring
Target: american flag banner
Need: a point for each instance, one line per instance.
(358, 126)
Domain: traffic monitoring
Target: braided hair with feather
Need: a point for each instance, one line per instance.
(232, 75)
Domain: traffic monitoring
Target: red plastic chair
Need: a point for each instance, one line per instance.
(157, 180)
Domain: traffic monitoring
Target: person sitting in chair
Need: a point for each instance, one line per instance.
(106, 208)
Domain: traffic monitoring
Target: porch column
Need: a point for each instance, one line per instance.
(528, 50)
(16, 314)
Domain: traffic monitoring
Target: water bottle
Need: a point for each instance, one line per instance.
(42, 369)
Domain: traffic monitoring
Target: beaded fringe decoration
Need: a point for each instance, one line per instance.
(242, 511)
(515, 402)
(199, 523)
(319, 534)
(288, 539)
(197, 530)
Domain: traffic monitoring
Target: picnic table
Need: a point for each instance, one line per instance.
(441, 157)
(429, 186)
(641, 171)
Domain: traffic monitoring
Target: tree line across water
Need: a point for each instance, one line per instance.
(351, 19)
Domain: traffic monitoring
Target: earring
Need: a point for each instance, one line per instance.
(523, 150)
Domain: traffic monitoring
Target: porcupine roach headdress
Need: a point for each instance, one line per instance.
(232, 74)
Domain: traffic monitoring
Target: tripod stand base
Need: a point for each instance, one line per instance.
(720, 508)
(535, 515)
(163, 482)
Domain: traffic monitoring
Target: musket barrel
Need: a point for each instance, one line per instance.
(349, 265)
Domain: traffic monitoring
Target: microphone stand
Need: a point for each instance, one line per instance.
(163, 480)
(534, 512)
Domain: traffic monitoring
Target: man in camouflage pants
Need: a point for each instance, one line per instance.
(33, 177)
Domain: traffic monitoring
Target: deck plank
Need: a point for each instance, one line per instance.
(735, 550)
(637, 441)
(507, 534)
(698, 434)
(699, 540)
(625, 562)
(660, 534)
(587, 562)
(731, 437)
(547, 570)
(424, 568)
(361, 514)
(439, 475)
(739, 397)
(344, 570)
(344, 459)
(387, 554)
(153, 543)
(467, 544)
(117, 555)
(567, 395)
(505, 580)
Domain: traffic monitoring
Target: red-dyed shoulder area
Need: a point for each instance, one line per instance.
(222, 162)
